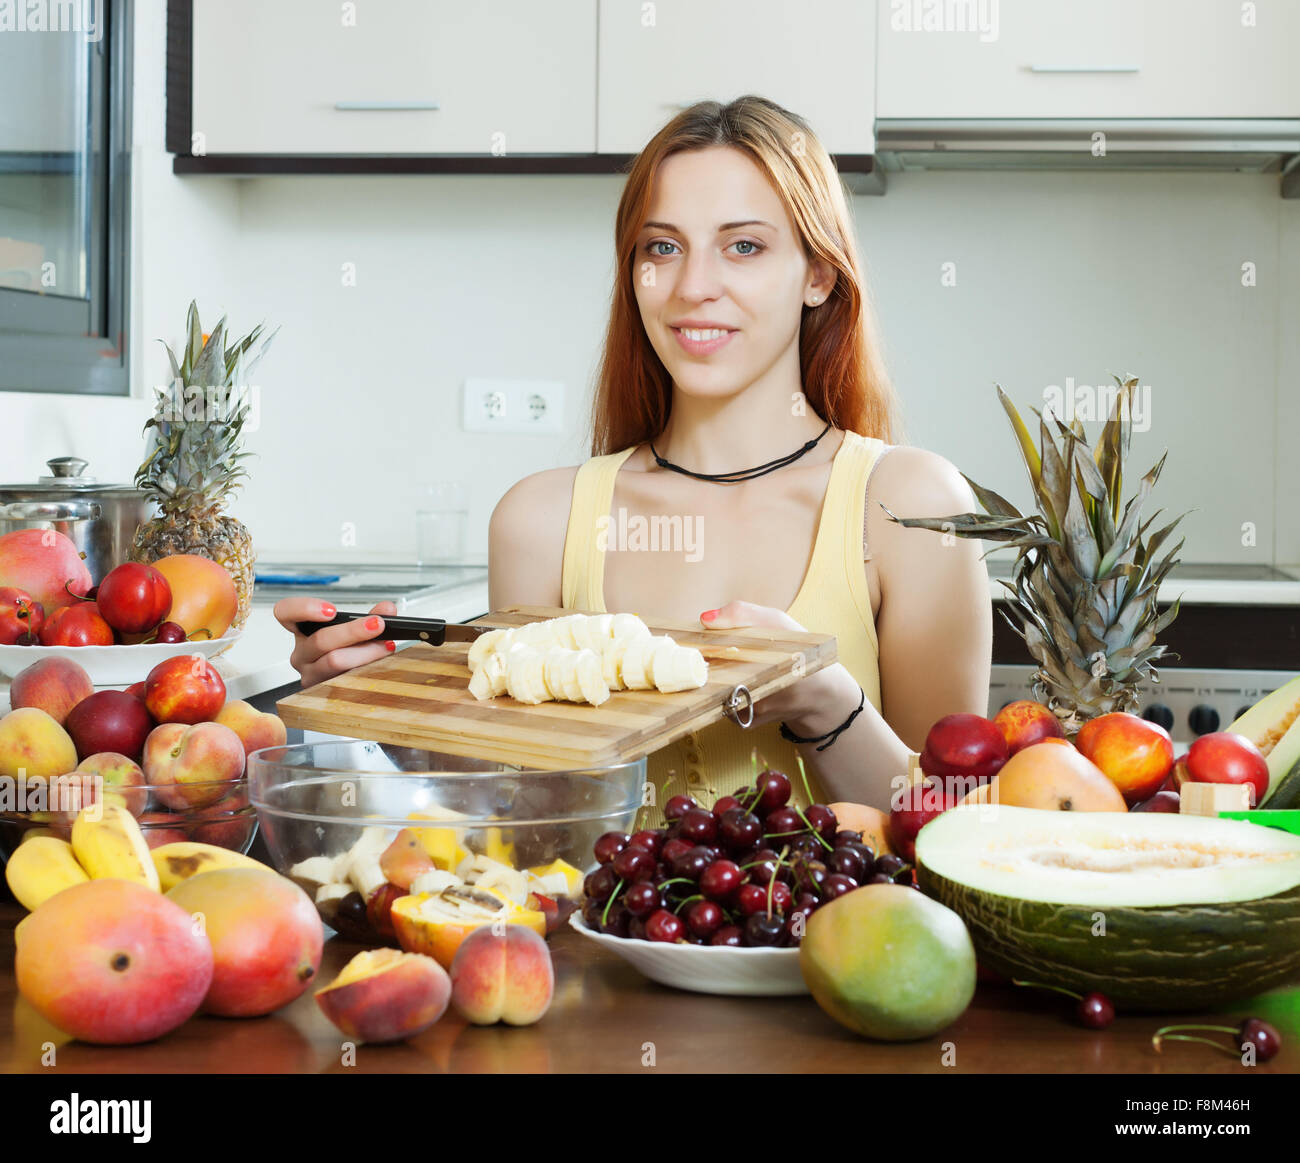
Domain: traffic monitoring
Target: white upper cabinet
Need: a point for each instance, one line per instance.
(394, 76)
(1088, 58)
(815, 57)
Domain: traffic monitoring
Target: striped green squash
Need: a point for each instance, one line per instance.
(1159, 912)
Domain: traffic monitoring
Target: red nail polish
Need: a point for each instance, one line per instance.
(372, 623)
(327, 611)
(709, 615)
(390, 646)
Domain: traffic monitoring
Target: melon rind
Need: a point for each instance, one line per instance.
(1157, 958)
(1280, 708)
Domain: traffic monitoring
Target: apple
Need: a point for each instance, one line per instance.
(78, 625)
(184, 689)
(912, 809)
(1226, 757)
(133, 598)
(109, 721)
(20, 616)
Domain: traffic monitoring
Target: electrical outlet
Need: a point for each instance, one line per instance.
(514, 406)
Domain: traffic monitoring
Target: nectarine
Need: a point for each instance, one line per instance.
(385, 996)
(502, 976)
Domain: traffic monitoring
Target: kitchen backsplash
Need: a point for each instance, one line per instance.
(390, 292)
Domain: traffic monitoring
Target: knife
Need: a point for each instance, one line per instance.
(434, 631)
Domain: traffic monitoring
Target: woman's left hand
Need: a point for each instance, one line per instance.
(802, 704)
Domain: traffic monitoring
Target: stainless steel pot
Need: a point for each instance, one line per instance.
(100, 519)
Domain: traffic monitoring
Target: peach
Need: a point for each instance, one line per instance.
(386, 996)
(405, 859)
(502, 974)
(33, 742)
(45, 564)
(1026, 722)
(266, 938)
(161, 828)
(184, 689)
(54, 685)
(1135, 754)
(204, 597)
(228, 823)
(123, 780)
(113, 962)
(256, 729)
(191, 766)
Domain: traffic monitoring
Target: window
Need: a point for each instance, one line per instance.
(64, 182)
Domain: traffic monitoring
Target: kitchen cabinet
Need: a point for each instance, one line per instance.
(1103, 59)
(815, 58)
(300, 77)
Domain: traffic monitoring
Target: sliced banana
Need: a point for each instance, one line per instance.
(628, 626)
(525, 679)
(481, 647)
(634, 669)
(680, 669)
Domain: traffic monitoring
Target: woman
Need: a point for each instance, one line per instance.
(741, 346)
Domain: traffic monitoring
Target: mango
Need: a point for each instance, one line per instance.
(112, 962)
(386, 996)
(32, 741)
(887, 962)
(266, 938)
(502, 976)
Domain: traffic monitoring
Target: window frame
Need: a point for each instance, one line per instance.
(56, 344)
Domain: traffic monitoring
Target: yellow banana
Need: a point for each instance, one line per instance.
(112, 845)
(41, 867)
(180, 861)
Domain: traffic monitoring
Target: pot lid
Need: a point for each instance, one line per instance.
(67, 474)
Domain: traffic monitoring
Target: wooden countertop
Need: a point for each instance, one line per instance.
(604, 1015)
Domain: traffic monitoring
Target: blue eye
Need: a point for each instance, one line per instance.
(658, 253)
(748, 242)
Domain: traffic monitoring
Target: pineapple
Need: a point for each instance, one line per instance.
(1086, 575)
(194, 455)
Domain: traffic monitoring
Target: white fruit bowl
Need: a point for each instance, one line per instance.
(114, 665)
(720, 969)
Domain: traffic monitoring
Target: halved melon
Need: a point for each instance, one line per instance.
(1157, 911)
(1273, 725)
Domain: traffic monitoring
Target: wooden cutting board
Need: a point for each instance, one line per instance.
(419, 697)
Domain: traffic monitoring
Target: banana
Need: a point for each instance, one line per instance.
(525, 677)
(481, 647)
(112, 845)
(560, 677)
(680, 669)
(634, 668)
(41, 867)
(180, 861)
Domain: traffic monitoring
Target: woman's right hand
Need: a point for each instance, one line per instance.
(335, 649)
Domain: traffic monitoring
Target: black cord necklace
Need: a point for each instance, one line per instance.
(741, 474)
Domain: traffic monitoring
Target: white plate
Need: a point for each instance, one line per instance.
(751, 972)
(113, 665)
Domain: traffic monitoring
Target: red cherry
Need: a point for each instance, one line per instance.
(720, 879)
(610, 845)
(663, 926)
(704, 918)
(678, 806)
(751, 899)
(773, 790)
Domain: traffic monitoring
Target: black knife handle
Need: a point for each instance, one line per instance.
(430, 630)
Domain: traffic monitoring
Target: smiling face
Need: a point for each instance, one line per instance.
(720, 274)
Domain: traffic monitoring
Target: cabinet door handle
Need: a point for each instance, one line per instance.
(385, 106)
(1085, 68)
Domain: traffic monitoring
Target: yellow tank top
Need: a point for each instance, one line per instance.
(833, 599)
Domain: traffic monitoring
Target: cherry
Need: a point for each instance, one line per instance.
(727, 935)
(1094, 1011)
(636, 929)
(805, 900)
(641, 899)
(889, 864)
(704, 918)
(720, 879)
(699, 825)
(693, 863)
(783, 822)
(616, 922)
(663, 926)
(678, 806)
(845, 835)
(823, 821)
(169, 632)
(782, 897)
(837, 885)
(864, 850)
(726, 804)
(740, 829)
(880, 878)
(846, 861)
(773, 790)
(651, 841)
(760, 929)
(591, 912)
(751, 899)
(633, 864)
(610, 845)
(600, 883)
(1266, 1040)
(811, 877)
(673, 849)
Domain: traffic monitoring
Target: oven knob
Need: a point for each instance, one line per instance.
(1159, 714)
(1203, 719)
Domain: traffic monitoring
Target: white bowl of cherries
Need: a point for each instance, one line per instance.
(718, 900)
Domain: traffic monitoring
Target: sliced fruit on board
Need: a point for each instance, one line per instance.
(1196, 910)
(1273, 725)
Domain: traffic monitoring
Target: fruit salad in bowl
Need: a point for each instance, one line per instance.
(418, 849)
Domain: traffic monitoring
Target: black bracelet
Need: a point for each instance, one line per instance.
(830, 736)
